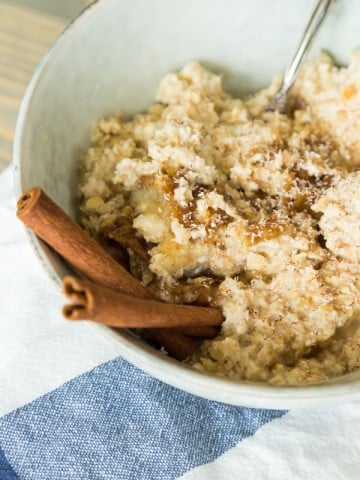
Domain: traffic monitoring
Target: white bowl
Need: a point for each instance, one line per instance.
(112, 57)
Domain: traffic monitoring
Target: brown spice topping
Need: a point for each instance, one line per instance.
(266, 229)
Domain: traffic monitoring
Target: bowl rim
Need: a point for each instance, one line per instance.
(143, 356)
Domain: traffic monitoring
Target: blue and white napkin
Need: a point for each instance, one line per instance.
(72, 409)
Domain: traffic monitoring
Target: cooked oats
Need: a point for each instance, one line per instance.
(218, 202)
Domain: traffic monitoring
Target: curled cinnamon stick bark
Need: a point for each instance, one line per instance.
(38, 212)
(58, 230)
(104, 305)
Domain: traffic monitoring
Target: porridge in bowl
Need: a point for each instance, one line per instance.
(212, 200)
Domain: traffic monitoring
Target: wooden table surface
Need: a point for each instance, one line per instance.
(25, 35)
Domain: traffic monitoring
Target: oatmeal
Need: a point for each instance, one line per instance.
(212, 200)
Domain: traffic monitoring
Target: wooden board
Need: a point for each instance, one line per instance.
(25, 35)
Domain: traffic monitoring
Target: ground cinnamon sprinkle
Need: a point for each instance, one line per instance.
(215, 201)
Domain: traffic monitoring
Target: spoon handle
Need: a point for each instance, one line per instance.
(279, 102)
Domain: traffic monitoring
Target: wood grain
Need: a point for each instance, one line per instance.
(25, 36)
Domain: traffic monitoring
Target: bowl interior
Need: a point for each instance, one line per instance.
(112, 59)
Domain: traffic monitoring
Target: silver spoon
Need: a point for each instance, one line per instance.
(280, 100)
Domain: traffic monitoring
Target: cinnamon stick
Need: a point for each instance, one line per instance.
(104, 305)
(203, 332)
(38, 212)
(177, 346)
(58, 230)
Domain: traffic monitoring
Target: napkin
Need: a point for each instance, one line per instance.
(71, 408)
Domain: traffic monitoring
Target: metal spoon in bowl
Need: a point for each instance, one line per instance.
(280, 100)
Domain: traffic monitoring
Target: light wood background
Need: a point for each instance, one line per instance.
(25, 35)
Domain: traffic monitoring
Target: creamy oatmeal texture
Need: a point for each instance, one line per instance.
(218, 202)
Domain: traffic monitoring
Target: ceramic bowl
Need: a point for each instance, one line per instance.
(112, 57)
